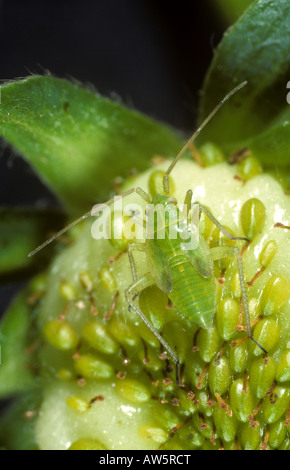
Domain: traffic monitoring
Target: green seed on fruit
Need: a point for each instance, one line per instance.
(117, 230)
(151, 360)
(283, 367)
(238, 357)
(196, 372)
(209, 343)
(77, 404)
(202, 398)
(154, 434)
(87, 281)
(187, 405)
(275, 294)
(87, 444)
(65, 374)
(276, 404)
(172, 444)
(250, 436)
(211, 444)
(197, 440)
(168, 418)
(262, 375)
(286, 444)
(225, 422)
(252, 216)
(153, 303)
(219, 376)
(204, 425)
(68, 291)
(236, 286)
(147, 335)
(277, 434)
(176, 333)
(267, 333)
(268, 253)
(107, 279)
(254, 306)
(155, 183)
(211, 154)
(123, 332)
(60, 335)
(228, 314)
(249, 168)
(96, 334)
(133, 390)
(230, 445)
(242, 400)
(189, 436)
(91, 367)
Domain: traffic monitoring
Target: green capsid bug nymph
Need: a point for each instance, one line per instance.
(184, 272)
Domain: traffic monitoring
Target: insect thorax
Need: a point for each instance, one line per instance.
(166, 220)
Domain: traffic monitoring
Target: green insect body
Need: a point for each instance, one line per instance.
(194, 296)
(186, 276)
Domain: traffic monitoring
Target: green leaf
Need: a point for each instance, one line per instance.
(229, 10)
(274, 142)
(77, 141)
(21, 231)
(256, 49)
(15, 374)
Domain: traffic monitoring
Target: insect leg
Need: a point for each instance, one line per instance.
(137, 247)
(187, 204)
(218, 224)
(141, 284)
(220, 252)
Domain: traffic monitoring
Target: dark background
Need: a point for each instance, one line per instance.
(152, 54)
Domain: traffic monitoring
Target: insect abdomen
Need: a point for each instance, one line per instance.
(193, 295)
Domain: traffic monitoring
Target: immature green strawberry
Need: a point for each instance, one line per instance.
(104, 381)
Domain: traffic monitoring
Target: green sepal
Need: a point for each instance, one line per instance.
(21, 231)
(229, 11)
(257, 49)
(76, 140)
(16, 374)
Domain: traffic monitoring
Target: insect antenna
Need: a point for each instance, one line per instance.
(60, 233)
(95, 211)
(196, 134)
